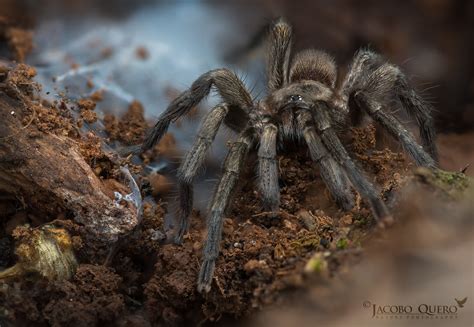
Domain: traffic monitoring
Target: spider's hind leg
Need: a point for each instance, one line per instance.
(371, 97)
(370, 73)
(421, 111)
(395, 128)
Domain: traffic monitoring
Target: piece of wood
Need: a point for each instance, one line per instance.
(48, 173)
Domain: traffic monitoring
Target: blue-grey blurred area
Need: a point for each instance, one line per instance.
(155, 48)
(431, 40)
(149, 52)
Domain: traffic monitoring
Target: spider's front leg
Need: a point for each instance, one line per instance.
(268, 169)
(337, 150)
(229, 87)
(331, 173)
(194, 160)
(233, 163)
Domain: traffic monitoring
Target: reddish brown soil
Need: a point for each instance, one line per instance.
(149, 281)
(130, 128)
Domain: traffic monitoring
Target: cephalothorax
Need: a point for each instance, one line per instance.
(306, 103)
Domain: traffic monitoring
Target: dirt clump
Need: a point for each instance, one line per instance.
(87, 106)
(142, 53)
(130, 128)
(259, 259)
(92, 295)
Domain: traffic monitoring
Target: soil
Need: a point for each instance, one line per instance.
(154, 282)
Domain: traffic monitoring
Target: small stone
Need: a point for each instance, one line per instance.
(324, 242)
(257, 266)
(308, 220)
(197, 246)
(157, 235)
(142, 53)
(251, 265)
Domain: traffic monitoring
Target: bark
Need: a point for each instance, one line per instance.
(48, 173)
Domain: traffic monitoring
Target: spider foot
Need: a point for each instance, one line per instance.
(179, 235)
(205, 276)
(178, 239)
(345, 201)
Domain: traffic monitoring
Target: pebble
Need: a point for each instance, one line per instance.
(157, 235)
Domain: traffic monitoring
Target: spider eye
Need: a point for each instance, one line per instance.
(296, 98)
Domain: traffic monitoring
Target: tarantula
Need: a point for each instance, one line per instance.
(305, 103)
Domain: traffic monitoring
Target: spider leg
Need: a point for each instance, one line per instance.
(229, 86)
(336, 149)
(395, 128)
(369, 71)
(193, 161)
(363, 64)
(421, 111)
(332, 174)
(232, 166)
(279, 54)
(268, 169)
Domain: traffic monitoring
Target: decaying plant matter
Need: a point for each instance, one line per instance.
(305, 103)
(45, 251)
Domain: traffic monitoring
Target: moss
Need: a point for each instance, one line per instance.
(317, 264)
(342, 243)
(308, 241)
(360, 220)
(452, 184)
(458, 181)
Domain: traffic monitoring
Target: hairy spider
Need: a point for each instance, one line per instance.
(305, 103)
